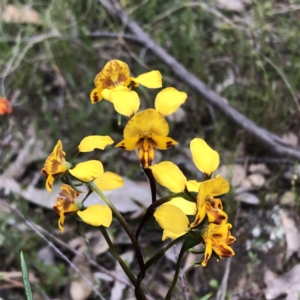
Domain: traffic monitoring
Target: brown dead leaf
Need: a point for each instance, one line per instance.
(292, 234)
(288, 284)
(235, 174)
(22, 14)
(247, 198)
(98, 242)
(128, 198)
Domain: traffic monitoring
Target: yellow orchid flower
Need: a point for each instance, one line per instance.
(205, 158)
(170, 176)
(217, 238)
(94, 215)
(114, 84)
(66, 203)
(56, 164)
(209, 206)
(148, 129)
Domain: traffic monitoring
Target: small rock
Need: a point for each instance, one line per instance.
(259, 168)
(46, 255)
(257, 180)
(247, 198)
(271, 197)
(288, 198)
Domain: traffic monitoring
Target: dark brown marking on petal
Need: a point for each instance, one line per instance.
(225, 252)
(95, 98)
(122, 146)
(49, 185)
(121, 78)
(169, 144)
(151, 141)
(217, 235)
(107, 83)
(44, 173)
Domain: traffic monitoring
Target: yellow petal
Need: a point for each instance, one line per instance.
(129, 143)
(205, 158)
(169, 175)
(171, 235)
(106, 94)
(193, 185)
(49, 182)
(207, 254)
(89, 143)
(96, 215)
(216, 216)
(162, 142)
(148, 120)
(88, 170)
(214, 187)
(172, 218)
(125, 101)
(96, 95)
(151, 80)
(109, 181)
(188, 207)
(168, 100)
(114, 73)
(61, 222)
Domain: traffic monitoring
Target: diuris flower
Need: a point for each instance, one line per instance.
(170, 176)
(218, 238)
(95, 215)
(148, 129)
(56, 164)
(114, 84)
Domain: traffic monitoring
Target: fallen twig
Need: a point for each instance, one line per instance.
(274, 143)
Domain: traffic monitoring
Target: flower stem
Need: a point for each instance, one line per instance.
(129, 232)
(117, 256)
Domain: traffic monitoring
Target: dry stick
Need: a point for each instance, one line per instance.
(273, 142)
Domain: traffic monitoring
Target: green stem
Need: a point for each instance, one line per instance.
(130, 234)
(186, 246)
(152, 182)
(155, 258)
(190, 195)
(117, 257)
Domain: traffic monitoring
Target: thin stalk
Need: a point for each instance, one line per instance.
(117, 256)
(129, 232)
(152, 183)
(155, 258)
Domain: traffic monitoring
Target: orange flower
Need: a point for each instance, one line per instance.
(5, 107)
